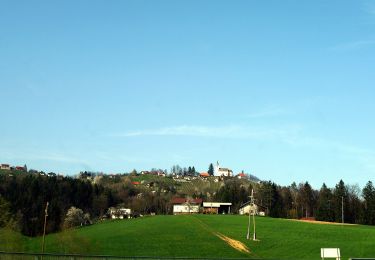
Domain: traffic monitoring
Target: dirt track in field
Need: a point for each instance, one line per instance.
(234, 243)
(239, 246)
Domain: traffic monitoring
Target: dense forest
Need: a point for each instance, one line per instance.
(23, 198)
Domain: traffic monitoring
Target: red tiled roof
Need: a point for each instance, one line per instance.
(204, 174)
(136, 183)
(184, 200)
(241, 174)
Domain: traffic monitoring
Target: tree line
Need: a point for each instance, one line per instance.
(23, 198)
(343, 203)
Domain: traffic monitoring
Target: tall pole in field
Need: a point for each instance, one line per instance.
(253, 207)
(248, 225)
(45, 224)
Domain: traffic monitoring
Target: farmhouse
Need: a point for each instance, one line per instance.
(20, 168)
(204, 175)
(119, 213)
(5, 166)
(216, 207)
(241, 175)
(154, 172)
(186, 206)
(256, 209)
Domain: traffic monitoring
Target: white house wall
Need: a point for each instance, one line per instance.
(185, 209)
(246, 209)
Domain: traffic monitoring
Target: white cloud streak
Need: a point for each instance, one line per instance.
(231, 131)
(291, 135)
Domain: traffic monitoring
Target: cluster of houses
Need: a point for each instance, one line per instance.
(194, 206)
(219, 172)
(191, 206)
(8, 167)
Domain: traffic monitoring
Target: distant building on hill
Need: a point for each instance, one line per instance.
(20, 168)
(241, 175)
(223, 172)
(204, 175)
(5, 166)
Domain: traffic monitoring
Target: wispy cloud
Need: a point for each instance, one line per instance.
(231, 131)
(355, 45)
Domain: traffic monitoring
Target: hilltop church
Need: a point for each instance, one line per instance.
(223, 172)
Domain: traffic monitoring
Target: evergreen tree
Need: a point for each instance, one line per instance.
(368, 193)
(306, 200)
(324, 210)
(340, 199)
(211, 170)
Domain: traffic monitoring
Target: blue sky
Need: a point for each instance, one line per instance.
(280, 89)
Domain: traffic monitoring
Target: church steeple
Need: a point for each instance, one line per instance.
(217, 168)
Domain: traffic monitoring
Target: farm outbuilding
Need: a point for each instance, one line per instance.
(216, 207)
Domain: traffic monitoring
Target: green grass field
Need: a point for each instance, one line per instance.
(196, 236)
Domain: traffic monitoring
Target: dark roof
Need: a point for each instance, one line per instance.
(184, 200)
(225, 169)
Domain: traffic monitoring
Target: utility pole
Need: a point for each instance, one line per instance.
(248, 225)
(252, 208)
(45, 224)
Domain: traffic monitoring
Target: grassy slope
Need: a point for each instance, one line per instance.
(286, 239)
(192, 236)
(12, 241)
(149, 236)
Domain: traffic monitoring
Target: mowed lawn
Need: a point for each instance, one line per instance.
(197, 236)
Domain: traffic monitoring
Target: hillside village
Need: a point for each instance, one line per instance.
(155, 191)
(97, 196)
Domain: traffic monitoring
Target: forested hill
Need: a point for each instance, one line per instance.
(23, 197)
